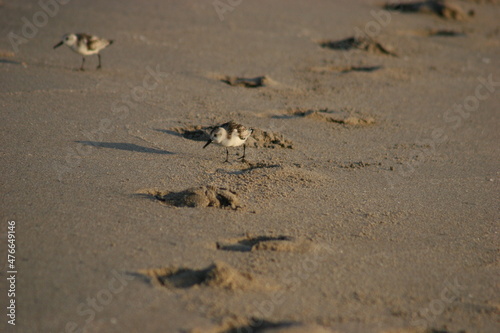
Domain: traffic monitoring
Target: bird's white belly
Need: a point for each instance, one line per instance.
(83, 50)
(235, 141)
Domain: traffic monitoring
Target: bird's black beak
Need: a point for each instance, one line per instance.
(58, 44)
(206, 144)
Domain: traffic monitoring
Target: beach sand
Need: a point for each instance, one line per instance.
(369, 202)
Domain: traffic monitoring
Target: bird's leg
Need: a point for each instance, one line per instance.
(227, 156)
(242, 158)
(99, 57)
(83, 62)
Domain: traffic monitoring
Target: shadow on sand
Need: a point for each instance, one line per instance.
(126, 146)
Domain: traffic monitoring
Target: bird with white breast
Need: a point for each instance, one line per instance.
(230, 134)
(85, 44)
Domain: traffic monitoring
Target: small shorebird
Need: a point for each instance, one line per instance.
(85, 45)
(230, 135)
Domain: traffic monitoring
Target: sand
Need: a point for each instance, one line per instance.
(368, 203)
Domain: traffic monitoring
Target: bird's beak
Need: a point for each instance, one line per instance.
(206, 144)
(58, 44)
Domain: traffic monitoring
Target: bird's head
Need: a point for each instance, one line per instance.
(216, 136)
(68, 39)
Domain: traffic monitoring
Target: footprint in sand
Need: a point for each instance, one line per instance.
(441, 8)
(360, 43)
(358, 165)
(217, 275)
(245, 82)
(204, 196)
(265, 243)
(195, 133)
(345, 69)
(259, 81)
(343, 117)
(258, 325)
(432, 33)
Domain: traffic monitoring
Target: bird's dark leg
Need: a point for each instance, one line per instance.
(99, 57)
(227, 156)
(83, 62)
(242, 158)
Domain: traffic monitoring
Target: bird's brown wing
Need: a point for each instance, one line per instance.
(243, 133)
(229, 127)
(94, 42)
(83, 38)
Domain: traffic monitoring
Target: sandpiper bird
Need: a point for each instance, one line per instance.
(230, 135)
(85, 45)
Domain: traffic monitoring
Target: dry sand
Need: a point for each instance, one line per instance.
(368, 203)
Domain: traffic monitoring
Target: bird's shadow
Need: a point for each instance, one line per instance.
(126, 146)
(11, 62)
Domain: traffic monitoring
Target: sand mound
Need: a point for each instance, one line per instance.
(442, 8)
(264, 183)
(204, 196)
(354, 121)
(339, 117)
(265, 139)
(360, 43)
(259, 81)
(217, 275)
